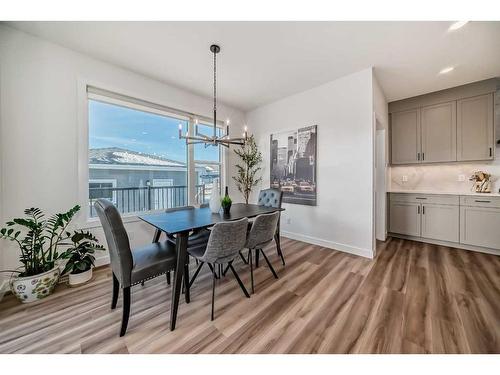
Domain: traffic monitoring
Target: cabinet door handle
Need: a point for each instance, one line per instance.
(423, 210)
(491, 152)
(480, 201)
(418, 209)
(420, 198)
(418, 156)
(423, 155)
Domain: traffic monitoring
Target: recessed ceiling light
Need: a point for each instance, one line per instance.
(446, 70)
(457, 25)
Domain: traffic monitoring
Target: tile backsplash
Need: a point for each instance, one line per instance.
(443, 177)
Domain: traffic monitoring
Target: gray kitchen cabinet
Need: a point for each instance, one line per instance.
(404, 218)
(470, 220)
(480, 221)
(475, 129)
(405, 137)
(438, 132)
(440, 222)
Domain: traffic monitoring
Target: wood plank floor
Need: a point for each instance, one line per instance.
(413, 298)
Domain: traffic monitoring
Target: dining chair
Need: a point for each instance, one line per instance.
(262, 233)
(131, 266)
(272, 198)
(225, 242)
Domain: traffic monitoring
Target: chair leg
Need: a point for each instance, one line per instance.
(250, 256)
(126, 310)
(168, 277)
(213, 295)
(278, 247)
(116, 291)
(243, 258)
(257, 259)
(213, 270)
(187, 295)
(196, 273)
(268, 263)
(142, 283)
(239, 280)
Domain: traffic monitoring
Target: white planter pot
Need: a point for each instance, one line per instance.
(80, 278)
(32, 288)
(214, 203)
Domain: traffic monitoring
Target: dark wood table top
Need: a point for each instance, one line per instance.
(186, 220)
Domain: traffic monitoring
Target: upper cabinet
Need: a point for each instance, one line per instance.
(446, 126)
(475, 140)
(439, 133)
(405, 137)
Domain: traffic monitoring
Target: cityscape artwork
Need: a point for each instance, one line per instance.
(293, 165)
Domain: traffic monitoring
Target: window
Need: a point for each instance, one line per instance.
(208, 161)
(137, 160)
(102, 188)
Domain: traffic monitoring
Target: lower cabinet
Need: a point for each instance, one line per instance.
(440, 222)
(469, 220)
(480, 226)
(405, 218)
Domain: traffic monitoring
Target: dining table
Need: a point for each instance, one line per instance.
(181, 223)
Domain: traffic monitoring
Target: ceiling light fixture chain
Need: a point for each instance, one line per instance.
(223, 140)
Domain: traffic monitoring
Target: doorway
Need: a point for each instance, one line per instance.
(380, 183)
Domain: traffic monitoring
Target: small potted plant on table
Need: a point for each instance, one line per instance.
(80, 256)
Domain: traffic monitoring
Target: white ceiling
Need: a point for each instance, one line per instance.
(264, 61)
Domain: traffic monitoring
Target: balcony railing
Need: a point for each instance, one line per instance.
(147, 198)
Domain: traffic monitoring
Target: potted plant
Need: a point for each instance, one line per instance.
(80, 257)
(246, 178)
(39, 240)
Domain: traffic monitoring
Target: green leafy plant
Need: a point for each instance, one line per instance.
(39, 245)
(246, 178)
(226, 201)
(80, 254)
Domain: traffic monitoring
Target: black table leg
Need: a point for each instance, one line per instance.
(156, 236)
(278, 243)
(181, 249)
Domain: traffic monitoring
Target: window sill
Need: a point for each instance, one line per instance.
(94, 222)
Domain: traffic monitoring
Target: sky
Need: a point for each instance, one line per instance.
(115, 126)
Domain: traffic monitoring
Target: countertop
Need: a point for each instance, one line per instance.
(492, 194)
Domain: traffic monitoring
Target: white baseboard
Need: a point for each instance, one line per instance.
(367, 253)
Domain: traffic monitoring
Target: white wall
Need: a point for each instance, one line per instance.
(343, 111)
(381, 113)
(40, 105)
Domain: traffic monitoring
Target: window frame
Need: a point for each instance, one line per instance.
(84, 95)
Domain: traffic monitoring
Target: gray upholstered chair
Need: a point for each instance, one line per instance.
(131, 267)
(272, 198)
(262, 233)
(225, 242)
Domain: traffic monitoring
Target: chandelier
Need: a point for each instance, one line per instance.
(214, 140)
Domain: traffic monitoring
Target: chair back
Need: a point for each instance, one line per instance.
(120, 253)
(270, 198)
(226, 240)
(263, 230)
